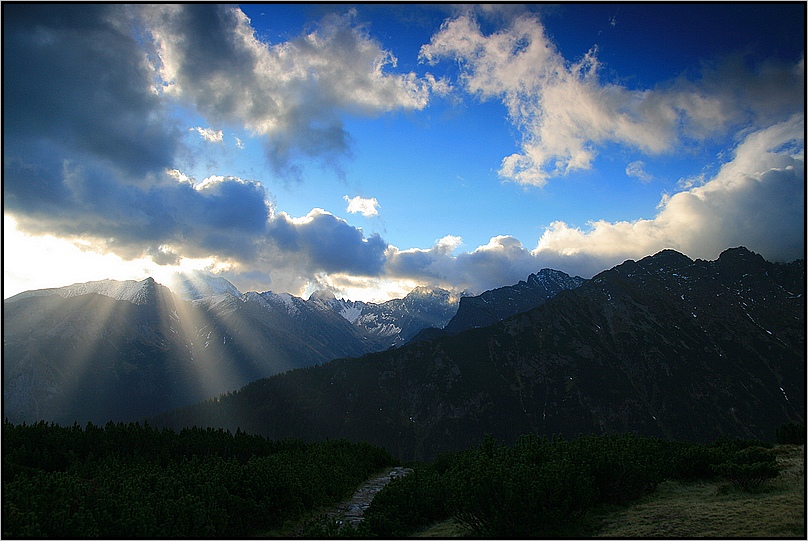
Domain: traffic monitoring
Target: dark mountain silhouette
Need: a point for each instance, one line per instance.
(665, 346)
(497, 304)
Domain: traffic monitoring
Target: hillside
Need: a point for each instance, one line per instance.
(110, 350)
(665, 346)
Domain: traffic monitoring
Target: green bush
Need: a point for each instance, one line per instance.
(791, 433)
(524, 491)
(749, 468)
(406, 503)
(622, 467)
(135, 481)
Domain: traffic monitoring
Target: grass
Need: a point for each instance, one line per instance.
(700, 509)
(716, 509)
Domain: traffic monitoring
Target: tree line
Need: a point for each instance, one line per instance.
(135, 481)
(544, 487)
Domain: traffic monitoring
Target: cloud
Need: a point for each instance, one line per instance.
(93, 148)
(225, 217)
(209, 134)
(66, 94)
(322, 242)
(637, 170)
(566, 111)
(295, 93)
(502, 261)
(367, 207)
(755, 200)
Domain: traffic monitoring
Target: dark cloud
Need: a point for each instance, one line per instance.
(226, 218)
(76, 77)
(91, 149)
(294, 94)
(328, 244)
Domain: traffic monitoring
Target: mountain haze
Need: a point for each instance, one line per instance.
(110, 350)
(665, 346)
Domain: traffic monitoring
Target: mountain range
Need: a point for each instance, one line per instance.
(665, 346)
(125, 350)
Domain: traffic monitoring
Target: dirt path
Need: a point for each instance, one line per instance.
(352, 511)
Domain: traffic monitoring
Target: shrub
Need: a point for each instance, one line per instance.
(791, 433)
(749, 468)
(502, 492)
(406, 503)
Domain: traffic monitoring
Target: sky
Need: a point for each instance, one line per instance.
(370, 149)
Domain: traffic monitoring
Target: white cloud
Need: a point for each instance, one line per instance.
(209, 134)
(293, 93)
(449, 243)
(565, 111)
(637, 170)
(367, 207)
(755, 200)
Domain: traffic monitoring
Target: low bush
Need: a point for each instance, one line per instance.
(199, 483)
(791, 433)
(749, 468)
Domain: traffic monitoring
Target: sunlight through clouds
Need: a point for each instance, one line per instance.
(572, 152)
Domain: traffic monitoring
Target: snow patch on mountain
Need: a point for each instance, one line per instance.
(127, 290)
(351, 313)
(198, 284)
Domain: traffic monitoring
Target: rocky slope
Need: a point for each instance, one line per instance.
(497, 304)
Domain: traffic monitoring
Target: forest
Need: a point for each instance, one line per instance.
(137, 481)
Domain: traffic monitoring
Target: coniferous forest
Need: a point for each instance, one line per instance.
(132, 480)
(128, 480)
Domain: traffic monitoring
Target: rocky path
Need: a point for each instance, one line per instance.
(352, 511)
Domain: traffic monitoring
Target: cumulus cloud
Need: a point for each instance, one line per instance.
(365, 206)
(93, 148)
(502, 261)
(322, 242)
(224, 217)
(566, 111)
(755, 200)
(295, 93)
(66, 95)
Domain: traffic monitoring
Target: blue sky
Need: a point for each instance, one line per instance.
(369, 149)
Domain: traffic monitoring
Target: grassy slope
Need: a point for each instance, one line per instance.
(676, 509)
(702, 509)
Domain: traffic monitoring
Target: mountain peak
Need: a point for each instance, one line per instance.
(195, 285)
(322, 295)
(740, 254)
(738, 262)
(496, 304)
(136, 292)
(666, 260)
